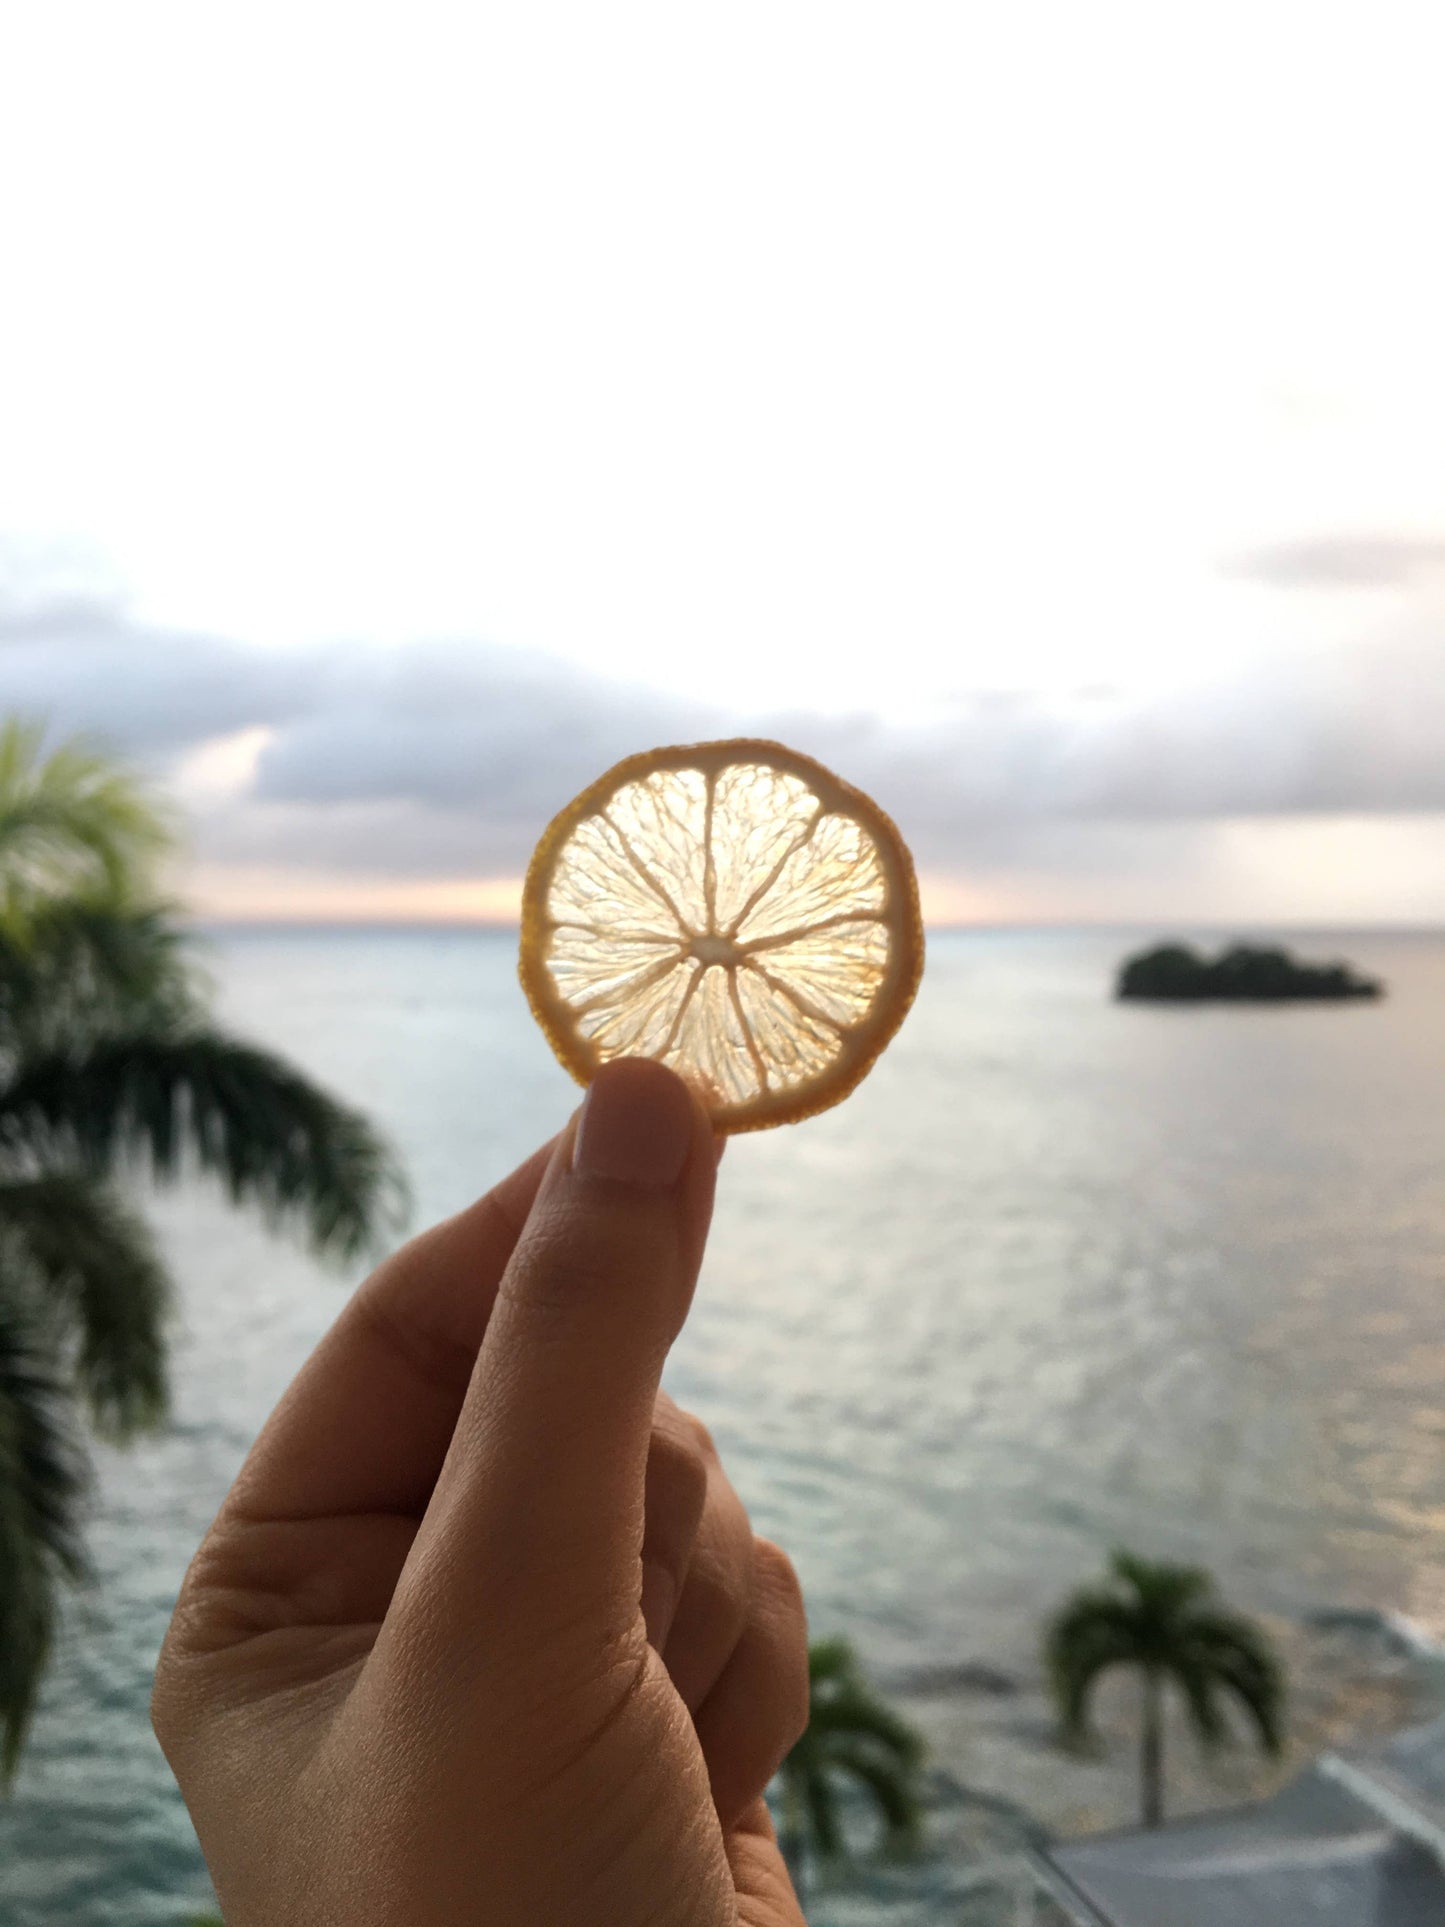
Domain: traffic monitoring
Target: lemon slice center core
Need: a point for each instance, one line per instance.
(716, 950)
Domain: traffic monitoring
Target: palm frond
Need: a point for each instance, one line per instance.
(273, 1138)
(43, 1478)
(895, 1792)
(840, 1701)
(860, 1715)
(1199, 1686)
(1162, 1618)
(1087, 1611)
(85, 966)
(821, 1804)
(831, 1658)
(1095, 1631)
(108, 1067)
(850, 1730)
(1162, 1590)
(69, 818)
(96, 1276)
(1242, 1661)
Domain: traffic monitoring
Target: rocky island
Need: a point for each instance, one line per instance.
(1244, 973)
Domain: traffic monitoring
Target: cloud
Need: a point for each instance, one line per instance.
(444, 759)
(85, 664)
(458, 726)
(1344, 562)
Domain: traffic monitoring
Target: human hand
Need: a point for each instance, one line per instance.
(481, 1633)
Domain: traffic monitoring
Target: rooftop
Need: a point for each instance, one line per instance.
(1356, 1841)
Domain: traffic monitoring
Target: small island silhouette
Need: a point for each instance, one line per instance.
(1244, 973)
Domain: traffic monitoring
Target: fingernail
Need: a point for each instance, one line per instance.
(635, 1126)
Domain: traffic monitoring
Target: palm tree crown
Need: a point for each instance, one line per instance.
(1164, 1621)
(110, 1069)
(850, 1734)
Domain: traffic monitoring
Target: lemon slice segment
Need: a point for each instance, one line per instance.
(732, 909)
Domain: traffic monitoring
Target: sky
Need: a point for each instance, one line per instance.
(1037, 412)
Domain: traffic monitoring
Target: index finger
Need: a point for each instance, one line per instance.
(365, 1424)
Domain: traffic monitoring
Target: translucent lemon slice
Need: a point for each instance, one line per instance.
(732, 909)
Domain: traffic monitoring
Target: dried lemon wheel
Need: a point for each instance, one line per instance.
(732, 909)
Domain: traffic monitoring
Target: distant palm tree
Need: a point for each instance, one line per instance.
(852, 1734)
(1164, 1621)
(110, 1068)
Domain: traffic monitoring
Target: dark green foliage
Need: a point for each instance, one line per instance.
(197, 1098)
(89, 1271)
(111, 1072)
(71, 821)
(82, 966)
(42, 1483)
(1244, 973)
(1164, 1621)
(851, 1734)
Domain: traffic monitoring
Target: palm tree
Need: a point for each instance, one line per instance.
(110, 1069)
(850, 1733)
(1164, 1620)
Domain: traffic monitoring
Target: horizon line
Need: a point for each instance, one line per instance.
(512, 925)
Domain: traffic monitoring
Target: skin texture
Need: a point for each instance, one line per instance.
(482, 1633)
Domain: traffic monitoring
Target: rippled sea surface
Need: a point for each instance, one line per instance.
(1062, 1273)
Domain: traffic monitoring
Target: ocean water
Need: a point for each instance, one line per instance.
(1061, 1274)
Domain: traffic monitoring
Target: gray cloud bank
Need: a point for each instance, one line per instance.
(445, 759)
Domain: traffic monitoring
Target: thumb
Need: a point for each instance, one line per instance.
(537, 1516)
